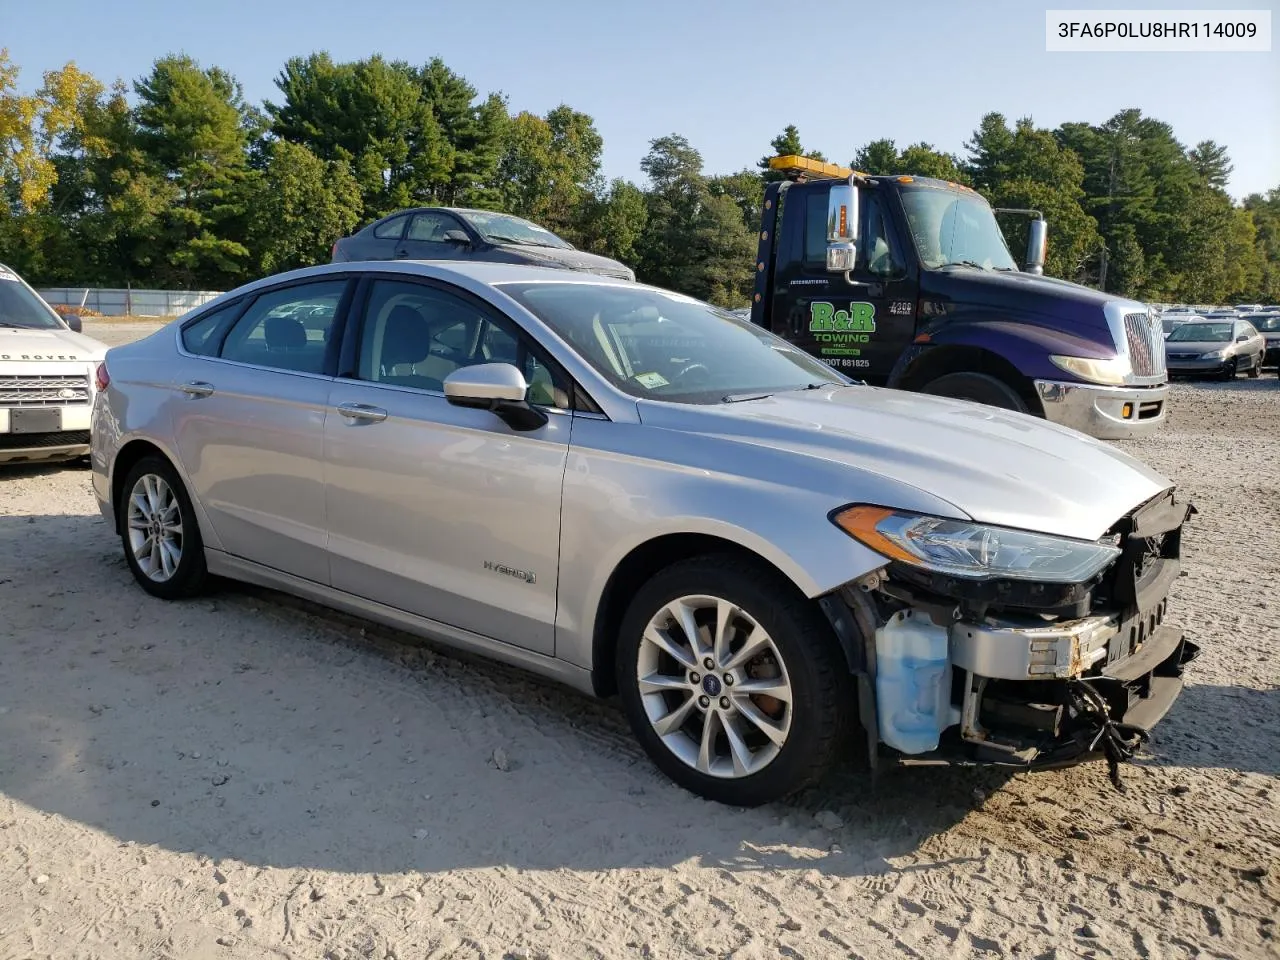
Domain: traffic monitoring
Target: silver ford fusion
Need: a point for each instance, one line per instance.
(633, 492)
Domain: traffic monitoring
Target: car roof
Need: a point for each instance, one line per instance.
(488, 273)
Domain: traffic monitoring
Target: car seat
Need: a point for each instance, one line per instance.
(406, 342)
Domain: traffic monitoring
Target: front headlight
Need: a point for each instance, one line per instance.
(1112, 371)
(975, 551)
(1214, 355)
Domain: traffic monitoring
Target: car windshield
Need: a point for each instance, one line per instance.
(502, 228)
(1266, 324)
(19, 307)
(665, 346)
(1202, 333)
(951, 228)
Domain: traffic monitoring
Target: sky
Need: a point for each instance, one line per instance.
(726, 74)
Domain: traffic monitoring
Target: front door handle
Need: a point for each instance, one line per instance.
(196, 388)
(362, 411)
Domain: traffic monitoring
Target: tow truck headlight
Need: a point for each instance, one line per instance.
(975, 551)
(1112, 371)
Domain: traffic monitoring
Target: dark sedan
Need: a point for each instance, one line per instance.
(458, 233)
(1214, 347)
(1268, 324)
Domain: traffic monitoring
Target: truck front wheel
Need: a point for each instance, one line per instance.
(978, 387)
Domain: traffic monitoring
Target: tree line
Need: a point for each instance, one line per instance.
(188, 185)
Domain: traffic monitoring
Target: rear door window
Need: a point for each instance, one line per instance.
(288, 329)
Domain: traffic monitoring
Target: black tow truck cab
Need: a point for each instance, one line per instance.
(908, 282)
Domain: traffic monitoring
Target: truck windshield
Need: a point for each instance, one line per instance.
(19, 307)
(501, 228)
(664, 346)
(951, 228)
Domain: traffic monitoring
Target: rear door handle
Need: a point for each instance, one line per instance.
(402, 254)
(362, 411)
(196, 388)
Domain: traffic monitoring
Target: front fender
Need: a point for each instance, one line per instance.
(1026, 344)
(615, 501)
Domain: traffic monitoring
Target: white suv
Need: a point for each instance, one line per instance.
(47, 378)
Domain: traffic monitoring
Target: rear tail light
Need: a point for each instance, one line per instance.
(333, 251)
(101, 377)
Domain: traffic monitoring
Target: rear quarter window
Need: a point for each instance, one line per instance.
(203, 337)
(391, 230)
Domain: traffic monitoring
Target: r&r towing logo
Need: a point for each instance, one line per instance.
(825, 318)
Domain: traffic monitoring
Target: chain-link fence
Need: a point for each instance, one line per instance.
(111, 302)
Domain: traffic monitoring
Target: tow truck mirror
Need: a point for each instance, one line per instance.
(1037, 241)
(842, 227)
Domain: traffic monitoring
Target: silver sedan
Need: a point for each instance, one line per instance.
(1221, 348)
(633, 492)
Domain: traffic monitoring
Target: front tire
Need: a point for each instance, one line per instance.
(733, 681)
(159, 531)
(979, 388)
(1230, 370)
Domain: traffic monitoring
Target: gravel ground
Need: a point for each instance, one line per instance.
(240, 777)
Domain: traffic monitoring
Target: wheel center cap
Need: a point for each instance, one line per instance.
(711, 685)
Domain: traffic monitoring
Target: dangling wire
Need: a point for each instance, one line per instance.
(1119, 741)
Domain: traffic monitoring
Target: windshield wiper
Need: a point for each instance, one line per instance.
(964, 263)
(740, 397)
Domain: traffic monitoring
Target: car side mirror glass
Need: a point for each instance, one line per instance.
(499, 387)
(457, 236)
(842, 227)
(72, 321)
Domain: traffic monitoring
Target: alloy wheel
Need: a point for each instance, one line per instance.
(714, 686)
(155, 527)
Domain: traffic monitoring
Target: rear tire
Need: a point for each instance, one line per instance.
(159, 532)
(1255, 371)
(977, 387)
(702, 726)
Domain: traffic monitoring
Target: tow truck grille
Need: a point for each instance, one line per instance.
(43, 391)
(1146, 344)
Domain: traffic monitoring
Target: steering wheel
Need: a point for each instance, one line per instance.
(698, 371)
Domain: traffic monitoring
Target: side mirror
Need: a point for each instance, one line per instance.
(72, 321)
(1037, 243)
(499, 387)
(457, 236)
(842, 228)
(1243, 338)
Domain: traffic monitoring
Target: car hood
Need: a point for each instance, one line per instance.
(55, 345)
(994, 466)
(572, 259)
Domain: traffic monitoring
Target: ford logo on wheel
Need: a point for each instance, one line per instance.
(711, 685)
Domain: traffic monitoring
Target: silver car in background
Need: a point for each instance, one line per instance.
(633, 492)
(1221, 348)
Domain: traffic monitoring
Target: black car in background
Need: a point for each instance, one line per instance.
(1267, 323)
(458, 233)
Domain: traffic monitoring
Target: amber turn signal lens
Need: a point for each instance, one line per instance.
(860, 523)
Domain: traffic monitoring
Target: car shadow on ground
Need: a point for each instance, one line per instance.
(242, 726)
(1204, 727)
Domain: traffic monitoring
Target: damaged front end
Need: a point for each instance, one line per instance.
(1015, 672)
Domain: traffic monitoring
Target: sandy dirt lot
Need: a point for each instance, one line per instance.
(239, 777)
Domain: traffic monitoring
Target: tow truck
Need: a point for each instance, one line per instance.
(908, 282)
